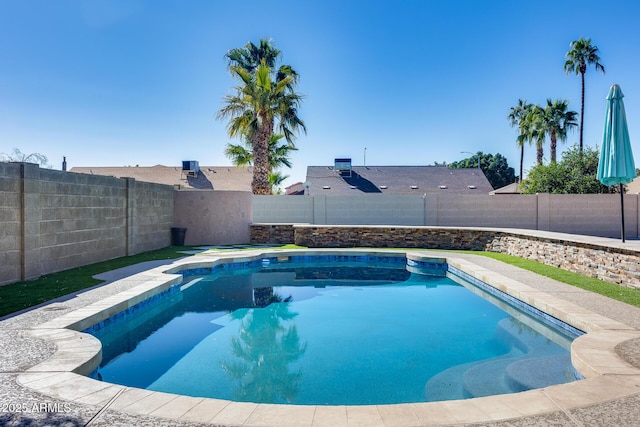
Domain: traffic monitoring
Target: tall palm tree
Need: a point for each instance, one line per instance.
(250, 56)
(581, 55)
(276, 179)
(278, 153)
(558, 121)
(536, 130)
(518, 117)
(265, 100)
(278, 157)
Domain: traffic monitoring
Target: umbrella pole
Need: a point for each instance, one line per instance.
(622, 209)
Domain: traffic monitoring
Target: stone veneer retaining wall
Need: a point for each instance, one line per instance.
(271, 233)
(615, 265)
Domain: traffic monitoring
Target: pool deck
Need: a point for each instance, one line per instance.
(40, 357)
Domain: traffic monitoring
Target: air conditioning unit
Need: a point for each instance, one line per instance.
(342, 166)
(190, 167)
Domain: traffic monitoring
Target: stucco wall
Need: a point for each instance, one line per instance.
(52, 220)
(288, 209)
(513, 211)
(589, 214)
(213, 217)
(362, 209)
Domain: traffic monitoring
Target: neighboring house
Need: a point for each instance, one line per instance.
(296, 189)
(344, 179)
(507, 189)
(190, 175)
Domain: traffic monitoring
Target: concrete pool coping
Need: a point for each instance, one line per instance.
(607, 375)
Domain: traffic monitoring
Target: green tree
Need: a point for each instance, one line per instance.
(582, 54)
(495, 168)
(276, 179)
(536, 128)
(558, 120)
(574, 174)
(265, 100)
(250, 56)
(242, 155)
(518, 117)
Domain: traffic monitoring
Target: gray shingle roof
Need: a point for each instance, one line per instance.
(228, 178)
(397, 180)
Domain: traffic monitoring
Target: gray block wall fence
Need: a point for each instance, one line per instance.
(52, 220)
(588, 214)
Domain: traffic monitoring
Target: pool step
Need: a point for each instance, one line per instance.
(539, 372)
(522, 368)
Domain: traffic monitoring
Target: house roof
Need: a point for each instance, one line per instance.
(396, 180)
(507, 189)
(228, 178)
(294, 189)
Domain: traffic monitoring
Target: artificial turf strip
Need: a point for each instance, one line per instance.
(20, 295)
(627, 295)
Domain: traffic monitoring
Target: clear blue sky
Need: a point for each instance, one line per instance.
(139, 82)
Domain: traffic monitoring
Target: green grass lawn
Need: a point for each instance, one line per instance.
(21, 295)
(611, 290)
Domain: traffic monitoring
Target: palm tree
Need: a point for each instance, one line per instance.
(278, 157)
(537, 128)
(278, 153)
(581, 55)
(558, 121)
(264, 100)
(250, 56)
(275, 180)
(518, 117)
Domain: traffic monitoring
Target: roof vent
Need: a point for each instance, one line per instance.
(353, 187)
(414, 187)
(342, 166)
(472, 187)
(326, 187)
(383, 187)
(190, 167)
(443, 187)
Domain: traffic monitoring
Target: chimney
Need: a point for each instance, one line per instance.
(64, 163)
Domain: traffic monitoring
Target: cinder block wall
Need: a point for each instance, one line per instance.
(10, 222)
(150, 216)
(71, 219)
(52, 220)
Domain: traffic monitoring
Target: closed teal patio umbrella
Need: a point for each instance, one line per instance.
(616, 166)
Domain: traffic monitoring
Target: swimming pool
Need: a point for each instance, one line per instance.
(272, 340)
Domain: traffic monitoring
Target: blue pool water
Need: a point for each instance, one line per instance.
(330, 332)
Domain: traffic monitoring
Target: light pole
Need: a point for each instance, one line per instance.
(468, 152)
